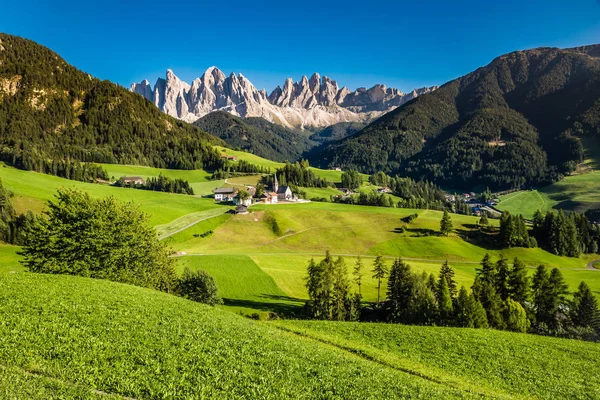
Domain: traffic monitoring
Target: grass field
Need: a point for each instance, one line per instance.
(243, 285)
(330, 175)
(32, 190)
(80, 335)
(493, 363)
(574, 193)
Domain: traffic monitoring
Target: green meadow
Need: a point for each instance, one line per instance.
(492, 363)
(32, 190)
(574, 193)
(73, 337)
(193, 225)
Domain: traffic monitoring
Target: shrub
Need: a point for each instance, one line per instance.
(98, 238)
(198, 286)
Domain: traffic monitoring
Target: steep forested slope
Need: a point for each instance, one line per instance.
(256, 135)
(49, 110)
(516, 121)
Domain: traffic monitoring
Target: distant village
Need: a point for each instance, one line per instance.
(274, 194)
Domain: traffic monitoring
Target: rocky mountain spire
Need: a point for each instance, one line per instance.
(313, 102)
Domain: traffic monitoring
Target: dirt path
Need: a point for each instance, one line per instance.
(192, 224)
(591, 267)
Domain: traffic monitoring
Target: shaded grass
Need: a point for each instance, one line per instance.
(243, 286)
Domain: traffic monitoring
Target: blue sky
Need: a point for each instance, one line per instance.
(400, 44)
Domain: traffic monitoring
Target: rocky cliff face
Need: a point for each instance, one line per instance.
(314, 102)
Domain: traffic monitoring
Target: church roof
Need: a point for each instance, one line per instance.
(283, 189)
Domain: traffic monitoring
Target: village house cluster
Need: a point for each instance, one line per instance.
(272, 195)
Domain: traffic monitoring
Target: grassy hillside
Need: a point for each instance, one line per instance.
(329, 174)
(493, 362)
(308, 230)
(134, 342)
(574, 193)
(33, 189)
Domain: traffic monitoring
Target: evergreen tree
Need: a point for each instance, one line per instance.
(469, 312)
(399, 290)
(446, 223)
(483, 221)
(447, 273)
(584, 308)
(340, 291)
(358, 274)
(98, 238)
(444, 301)
(380, 271)
(502, 285)
(518, 282)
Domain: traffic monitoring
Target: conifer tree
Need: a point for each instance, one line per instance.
(444, 301)
(447, 273)
(399, 290)
(584, 308)
(358, 274)
(446, 223)
(469, 311)
(518, 282)
(340, 290)
(380, 271)
(502, 278)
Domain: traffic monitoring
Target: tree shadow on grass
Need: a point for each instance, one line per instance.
(422, 232)
(283, 306)
(484, 239)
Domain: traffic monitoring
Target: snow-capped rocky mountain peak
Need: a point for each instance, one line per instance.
(313, 102)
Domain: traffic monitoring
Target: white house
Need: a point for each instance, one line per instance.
(224, 194)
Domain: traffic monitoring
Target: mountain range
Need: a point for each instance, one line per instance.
(308, 104)
(516, 122)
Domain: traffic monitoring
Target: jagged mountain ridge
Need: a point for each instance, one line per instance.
(309, 103)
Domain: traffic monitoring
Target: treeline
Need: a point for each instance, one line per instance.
(160, 184)
(238, 168)
(566, 235)
(13, 226)
(556, 232)
(299, 174)
(502, 297)
(371, 198)
(414, 194)
(73, 170)
(60, 113)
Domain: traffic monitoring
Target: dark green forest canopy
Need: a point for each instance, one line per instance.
(49, 110)
(515, 122)
(256, 135)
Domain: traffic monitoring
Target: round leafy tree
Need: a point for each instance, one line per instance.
(98, 238)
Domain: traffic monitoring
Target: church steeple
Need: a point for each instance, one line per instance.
(275, 184)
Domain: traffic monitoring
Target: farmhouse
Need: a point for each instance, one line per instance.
(133, 180)
(269, 198)
(224, 194)
(230, 158)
